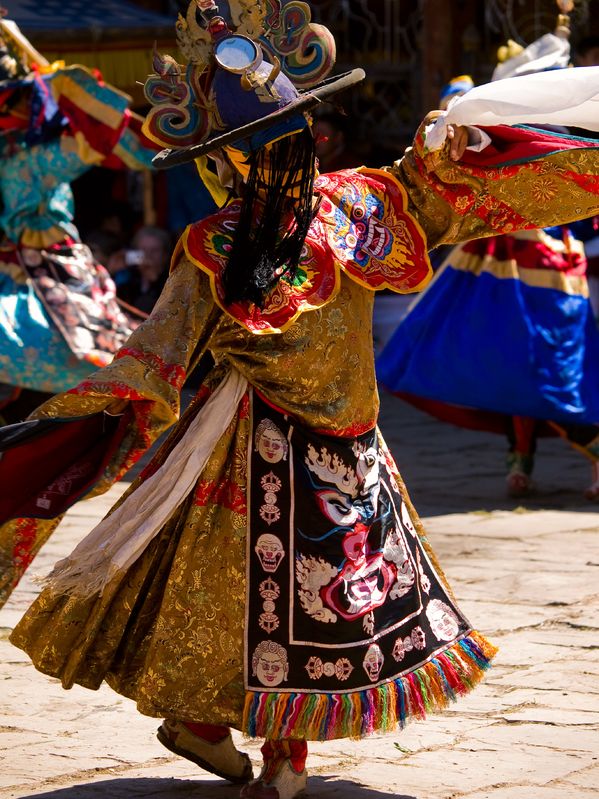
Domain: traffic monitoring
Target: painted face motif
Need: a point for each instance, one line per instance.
(367, 469)
(360, 229)
(373, 662)
(338, 507)
(270, 664)
(270, 442)
(377, 240)
(444, 623)
(270, 552)
(351, 502)
(364, 580)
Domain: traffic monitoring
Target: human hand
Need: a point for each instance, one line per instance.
(456, 134)
(116, 408)
(458, 137)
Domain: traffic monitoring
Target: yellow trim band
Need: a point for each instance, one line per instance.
(574, 285)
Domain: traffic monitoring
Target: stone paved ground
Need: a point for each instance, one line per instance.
(527, 574)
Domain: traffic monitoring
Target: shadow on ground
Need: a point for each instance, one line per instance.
(451, 470)
(194, 789)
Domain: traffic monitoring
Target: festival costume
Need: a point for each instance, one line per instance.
(504, 338)
(59, 317)
(505, 330)
(311, 435)
(267, 570)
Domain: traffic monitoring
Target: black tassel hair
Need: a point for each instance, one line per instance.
(265, 246)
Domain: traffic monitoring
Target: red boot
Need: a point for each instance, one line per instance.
(283, 775)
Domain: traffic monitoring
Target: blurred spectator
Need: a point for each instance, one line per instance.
(331, 130)
(145, 268)
(117, 222)
(106, 248)
(587, 52)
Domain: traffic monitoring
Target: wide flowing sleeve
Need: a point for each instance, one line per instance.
(524, 178)
(80, 442)
(149, 371)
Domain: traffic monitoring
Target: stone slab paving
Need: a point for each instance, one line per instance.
(527, 574)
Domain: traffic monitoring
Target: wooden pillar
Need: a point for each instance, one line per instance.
(437, 50)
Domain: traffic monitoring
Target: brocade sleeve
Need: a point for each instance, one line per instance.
(142, 384)
(526, 178)
(149, 371)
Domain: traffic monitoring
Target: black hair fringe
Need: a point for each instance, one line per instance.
(265, 249)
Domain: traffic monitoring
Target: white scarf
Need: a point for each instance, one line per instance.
(116, 543)
(560, 97)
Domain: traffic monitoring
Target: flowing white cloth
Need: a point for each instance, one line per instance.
(116, 543)
(548, 52)
(561, 97)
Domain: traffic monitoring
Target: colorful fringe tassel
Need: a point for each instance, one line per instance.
(322, 717)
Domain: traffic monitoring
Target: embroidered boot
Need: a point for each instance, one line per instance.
(213, 750)
(519, 481)
(283, 774)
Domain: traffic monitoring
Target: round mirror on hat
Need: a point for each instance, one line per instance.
(237, 54)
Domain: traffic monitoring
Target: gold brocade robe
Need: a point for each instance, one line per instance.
(170, 633)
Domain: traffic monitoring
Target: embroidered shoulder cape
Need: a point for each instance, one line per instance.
(363, 228)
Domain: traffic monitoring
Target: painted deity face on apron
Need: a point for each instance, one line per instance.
(341, 590)
(349, 498)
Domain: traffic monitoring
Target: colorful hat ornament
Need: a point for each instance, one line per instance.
(255, 67)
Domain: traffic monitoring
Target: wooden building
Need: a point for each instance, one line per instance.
(114, 36)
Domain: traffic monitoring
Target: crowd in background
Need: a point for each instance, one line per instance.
(139, 266)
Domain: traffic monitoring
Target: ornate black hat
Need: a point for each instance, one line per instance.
(255, 67)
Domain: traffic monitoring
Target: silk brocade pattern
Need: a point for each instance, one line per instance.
(163, 634)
